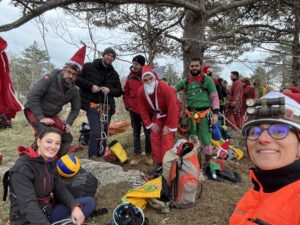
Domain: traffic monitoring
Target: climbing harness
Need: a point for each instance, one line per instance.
(104, 114)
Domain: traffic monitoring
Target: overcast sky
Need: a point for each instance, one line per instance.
(60, 52)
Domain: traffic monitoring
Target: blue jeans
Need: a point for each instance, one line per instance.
(60, 211)
(95, 126)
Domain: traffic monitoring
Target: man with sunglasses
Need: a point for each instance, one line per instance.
(158, 107)
(272, 130)
(46, 99)
(201, 99)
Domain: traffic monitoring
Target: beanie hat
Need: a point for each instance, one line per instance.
(78, 58)
(139, 59)
(109, 50)
(147, 70)
(289, 113)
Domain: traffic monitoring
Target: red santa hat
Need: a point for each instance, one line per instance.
(78, 58)
(147, 70)
(293, 89)
(291, 114)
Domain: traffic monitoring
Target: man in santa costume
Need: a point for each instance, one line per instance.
(45, 100)
(158, 107)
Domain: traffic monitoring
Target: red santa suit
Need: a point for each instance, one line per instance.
(9, 105)
(234, 111)
(158, 110)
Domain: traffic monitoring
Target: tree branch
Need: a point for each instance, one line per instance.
(227, 7)
(52, 4)
(174, 38)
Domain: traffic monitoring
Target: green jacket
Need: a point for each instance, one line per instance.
(195, 96)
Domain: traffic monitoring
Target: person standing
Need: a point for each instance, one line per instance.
(201, 101)
(132, 85)
(158, 107)
(47, 97)
(99, 83)
(234, 109)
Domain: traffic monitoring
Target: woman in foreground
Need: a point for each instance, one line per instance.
(272, 132)
(37, 195)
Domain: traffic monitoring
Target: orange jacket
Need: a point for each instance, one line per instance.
(281, 207)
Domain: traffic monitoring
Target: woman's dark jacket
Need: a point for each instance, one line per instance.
(96, 74)
(35, 184)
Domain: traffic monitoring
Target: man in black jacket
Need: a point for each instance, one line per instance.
(99, 83)
(45, 100)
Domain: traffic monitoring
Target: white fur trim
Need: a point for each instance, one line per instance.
(173, 129)
(148, 127)
(75, 63)
(148, 73)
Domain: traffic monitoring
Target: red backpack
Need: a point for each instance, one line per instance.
(181, 169)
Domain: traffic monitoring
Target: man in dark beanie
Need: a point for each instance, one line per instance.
(132, 85)
(99, 83)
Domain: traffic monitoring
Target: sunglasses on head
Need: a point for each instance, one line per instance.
(276, 131)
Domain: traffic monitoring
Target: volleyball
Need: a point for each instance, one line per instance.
(68, 165)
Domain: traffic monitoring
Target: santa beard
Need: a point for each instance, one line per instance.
(149, 88)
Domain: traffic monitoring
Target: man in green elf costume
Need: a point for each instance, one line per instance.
(202, 104)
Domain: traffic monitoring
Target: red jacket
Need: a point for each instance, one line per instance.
(236, 93)
(167, 101)
(275, 198)
(132, 85)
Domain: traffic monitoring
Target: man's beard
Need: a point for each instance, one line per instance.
(195, 73)
(68, 83)
(233, 79)
(134, 69)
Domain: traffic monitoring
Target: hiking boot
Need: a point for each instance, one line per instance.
(135, 159)
(149, 160)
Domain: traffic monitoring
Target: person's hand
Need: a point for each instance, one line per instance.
(67, 128)
(166, 130)
(77, 216)
(155, 128)
(96, 88)
(105, 90)
(214, 119)
(47, 121)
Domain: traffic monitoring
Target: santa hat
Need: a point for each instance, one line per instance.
(147, 70)
(205, 69)
(290, 115)
(78, 58)
(293, 89)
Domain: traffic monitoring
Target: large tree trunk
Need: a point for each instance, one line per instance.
(296, 47)
(194, 26)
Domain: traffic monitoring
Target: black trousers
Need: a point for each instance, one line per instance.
(136, 124)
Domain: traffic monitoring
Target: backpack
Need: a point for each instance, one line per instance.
(83, 184)
(181, 169)
(5, 122)
(84, 134)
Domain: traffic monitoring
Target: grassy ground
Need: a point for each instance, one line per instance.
(215, 206)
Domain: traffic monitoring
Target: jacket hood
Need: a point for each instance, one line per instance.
(135, 74)
(28, 151)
